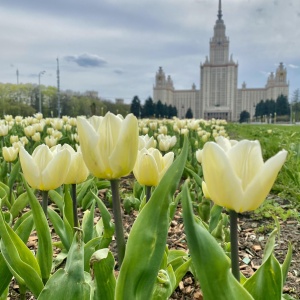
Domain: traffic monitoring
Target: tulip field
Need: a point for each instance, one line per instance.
(112, 207)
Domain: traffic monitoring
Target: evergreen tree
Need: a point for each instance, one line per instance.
(148, 108)
(189, 113)
(259, 109)
(159, 110)
(135, 106)
(244, 116)
(282, 106)
(296, 104)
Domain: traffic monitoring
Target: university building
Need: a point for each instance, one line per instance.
(219, 96)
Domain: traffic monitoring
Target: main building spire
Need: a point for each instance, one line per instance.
(220, 10)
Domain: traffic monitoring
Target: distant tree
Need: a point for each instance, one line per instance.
(296, 104)
(259, 109)
(174, 112)
(270, 107)
(159, 110)
(136, 107)
(244, 116)
(282, 106)
(148, 108)
(189, 113)
(165, 111)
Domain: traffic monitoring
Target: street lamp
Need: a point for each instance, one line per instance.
(40, 96)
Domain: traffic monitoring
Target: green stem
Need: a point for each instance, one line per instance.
(118, 220)
(234, 245)
(10, 187)
(22, 290)
(74, 200)
(45, 202)
(148, 192)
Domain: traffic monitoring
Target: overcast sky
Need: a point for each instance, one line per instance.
(116, 46)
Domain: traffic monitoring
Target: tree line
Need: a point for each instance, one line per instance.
(23, 99)
(151, 109)
(269, 107)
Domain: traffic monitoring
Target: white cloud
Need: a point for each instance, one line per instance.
(124, 42)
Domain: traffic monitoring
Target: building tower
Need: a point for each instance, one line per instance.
(218, 76)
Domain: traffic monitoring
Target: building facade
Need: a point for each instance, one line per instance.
(219, 96)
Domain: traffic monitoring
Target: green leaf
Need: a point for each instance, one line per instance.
(83, 190)
(215, 214)
(65, 234)
(266, 282)
(57, 199)
(181, 270)
(109, 226)
(68, 207)
(5, 276)
(211, 264)
(23, 230)
(103, 264)
(147, 240)
(89, 249)
(194, 175)
(19, 205)
(286, 264)
(88, 224)
(44, 251)
(69, 284)
(14, 174)
(20, 259)
(4, 195)
(165, 284)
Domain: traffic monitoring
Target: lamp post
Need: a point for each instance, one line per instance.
(40, 95)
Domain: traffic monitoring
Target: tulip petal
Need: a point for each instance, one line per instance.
(89, 140)
(95, 121)
(123, 156)
(30, 169)
(108, 135)
(223, 143)
(259, 188)
(56, 171)
(42, 155)
(223, 186)
(246, 159)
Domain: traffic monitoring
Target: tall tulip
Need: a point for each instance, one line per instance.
(109, 147)
(238, 179)
(45, 169)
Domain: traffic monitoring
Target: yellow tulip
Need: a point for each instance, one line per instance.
(146, 142)
(45, 169)
(10, 153)
(150, 166)
(78, 171)
(109, 144)
(3, 130)
(238, 179)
